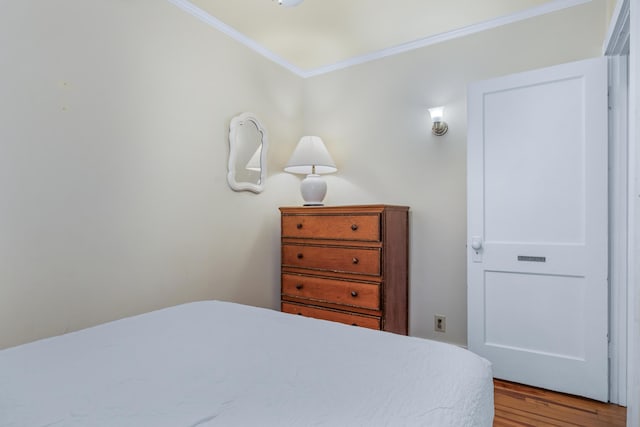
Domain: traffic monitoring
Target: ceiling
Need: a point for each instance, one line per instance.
(332, 33)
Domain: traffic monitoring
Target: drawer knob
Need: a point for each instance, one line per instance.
(354, 324)
(299, 286)
(299, 314)
(298, 226)
(300, 256)
(355, 260)
(354, 227)
(354, 294)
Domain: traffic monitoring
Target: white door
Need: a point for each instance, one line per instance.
(537, 227)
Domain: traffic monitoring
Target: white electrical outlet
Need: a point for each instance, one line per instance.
(439, 323)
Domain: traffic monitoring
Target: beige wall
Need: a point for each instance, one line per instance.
(113, 159)
(374, 120)
(113, 154)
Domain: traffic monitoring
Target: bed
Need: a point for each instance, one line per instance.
(214, 363)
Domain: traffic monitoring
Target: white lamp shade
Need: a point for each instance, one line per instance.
(437, 114)
(310, 152)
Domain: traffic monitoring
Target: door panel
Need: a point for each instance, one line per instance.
(555, 302)
(537, 217)
(517, 145)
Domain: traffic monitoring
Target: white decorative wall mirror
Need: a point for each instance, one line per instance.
(247, 154)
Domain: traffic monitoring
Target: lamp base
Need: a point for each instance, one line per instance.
(313, 189)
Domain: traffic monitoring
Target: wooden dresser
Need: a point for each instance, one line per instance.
(348, 264)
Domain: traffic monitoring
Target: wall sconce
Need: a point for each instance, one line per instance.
(439, 127)
(312, 158)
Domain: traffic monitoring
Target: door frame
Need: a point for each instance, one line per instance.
(618, 228)
(615, 49)
(624, 31)
(633, 343)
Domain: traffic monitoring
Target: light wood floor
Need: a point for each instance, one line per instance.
(519, 405)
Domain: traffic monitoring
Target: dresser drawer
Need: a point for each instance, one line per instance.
(335, 316)
(340, 227)
(335, 258)
(329, 290)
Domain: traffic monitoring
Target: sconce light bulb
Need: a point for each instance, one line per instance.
(437, 114)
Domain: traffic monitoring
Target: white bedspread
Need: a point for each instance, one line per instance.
(221, 364)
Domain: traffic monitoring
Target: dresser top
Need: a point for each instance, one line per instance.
(341, 209)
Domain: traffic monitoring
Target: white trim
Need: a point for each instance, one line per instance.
(616, 45)
(234, 34)
(622, 36)
(618, 227)
(618, 33)
(544, 9)
(633, 340)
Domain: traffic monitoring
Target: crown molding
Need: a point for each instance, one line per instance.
(553, 6)
(235, 34)
(544, 9)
